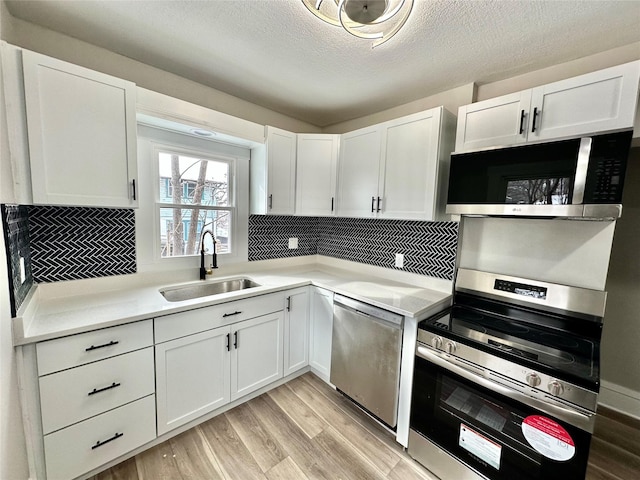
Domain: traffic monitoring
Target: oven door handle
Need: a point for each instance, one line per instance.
(584, 421)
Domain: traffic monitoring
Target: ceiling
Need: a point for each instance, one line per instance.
(276, 54)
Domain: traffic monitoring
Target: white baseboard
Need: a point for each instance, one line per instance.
(620, 399)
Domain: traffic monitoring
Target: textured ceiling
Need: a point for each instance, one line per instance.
(275, 53)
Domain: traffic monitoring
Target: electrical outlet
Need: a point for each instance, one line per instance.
(293, 242)
(399, 260)
(23, 272)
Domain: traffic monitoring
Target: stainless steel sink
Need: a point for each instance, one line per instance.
(178, 294)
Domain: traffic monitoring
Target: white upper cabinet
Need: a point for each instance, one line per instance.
(317, 159)
(601, 101)
(396, 169)
(273, 174)
(358, 172)
(82, 134)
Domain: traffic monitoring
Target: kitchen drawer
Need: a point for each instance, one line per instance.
(79, 393)
(201, 319)
(87, 445)
(75, 350)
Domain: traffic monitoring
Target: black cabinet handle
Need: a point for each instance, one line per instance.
(533, 122)
(99, 443)
(288, 304)
(373, 203)
(521, 122)
(228, 342)
(235, 340)
(231, 314)
(378, 207)
(134, 188)
(270, 201)
(104, 389)
(332, 204)
(96, 347)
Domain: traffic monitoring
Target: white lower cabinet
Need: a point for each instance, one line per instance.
(256, 353)
(321, 325)
(296, 330)
(80, 448)
(200, 373)
(192, 377)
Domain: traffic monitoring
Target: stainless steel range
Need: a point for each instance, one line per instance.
(506, 380)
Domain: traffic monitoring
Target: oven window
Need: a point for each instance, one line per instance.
(538, 191)
(484, 429)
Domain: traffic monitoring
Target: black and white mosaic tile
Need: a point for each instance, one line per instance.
(71, 243)
(429, 248)
(16, 236)
(269, 236)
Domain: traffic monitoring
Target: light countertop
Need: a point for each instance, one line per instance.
(74, 310)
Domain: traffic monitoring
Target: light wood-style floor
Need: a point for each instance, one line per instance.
(306, 430)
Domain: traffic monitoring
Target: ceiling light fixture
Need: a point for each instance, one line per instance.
(377, 20)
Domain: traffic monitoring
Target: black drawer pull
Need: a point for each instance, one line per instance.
(231, 314)
(110, 344)
(99, 443)
(533, 122)
(228, 342)
(98, 390)
(235, 340)
(373, 204)
(521, 122)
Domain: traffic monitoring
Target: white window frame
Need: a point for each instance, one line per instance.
(150, 142)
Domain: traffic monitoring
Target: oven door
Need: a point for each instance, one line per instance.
(491, 433)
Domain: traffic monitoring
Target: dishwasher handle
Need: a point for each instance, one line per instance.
(367, 310)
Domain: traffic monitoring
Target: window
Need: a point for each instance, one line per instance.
(196, 193)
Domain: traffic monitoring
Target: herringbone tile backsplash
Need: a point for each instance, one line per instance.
(70, 243)
(429, 248)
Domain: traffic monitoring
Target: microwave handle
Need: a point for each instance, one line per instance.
(584, 154)
(584, 421)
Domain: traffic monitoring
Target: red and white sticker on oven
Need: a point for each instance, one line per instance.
(548, 438)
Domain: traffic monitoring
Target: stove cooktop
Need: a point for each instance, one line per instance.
(560, 353)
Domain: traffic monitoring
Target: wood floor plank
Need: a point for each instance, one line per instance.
(614, 460)
(310, 459)
(126, 470)
(264, 448)
(194, 457)
(383, 457)
(595, 473)
(299, 411)
(233, 456)
(353, 411)
(158, 463)
(287, 469)
(615, 432)
(407, 469)
(351, 462)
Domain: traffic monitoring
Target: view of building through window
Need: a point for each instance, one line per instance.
(195, 193)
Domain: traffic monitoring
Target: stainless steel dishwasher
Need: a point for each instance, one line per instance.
(365, 356)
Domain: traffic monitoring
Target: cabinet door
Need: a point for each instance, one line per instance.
(296, 330)
(595, 102)
(495, 122)
(256, 354)
(281, 174)
(410, 169)
(192, 377)
(321, 321)
(358, 170)
(82, 134)
(317, 159)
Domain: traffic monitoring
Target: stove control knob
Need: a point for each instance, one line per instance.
(436, 342)
(533, 379)
(450, 347)
(555, 388)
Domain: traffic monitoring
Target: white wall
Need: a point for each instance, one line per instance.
(568, 252)
(621, 334)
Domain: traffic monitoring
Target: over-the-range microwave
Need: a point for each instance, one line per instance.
(575, 178)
